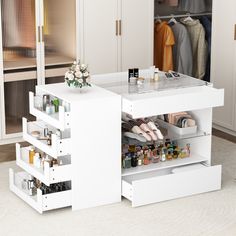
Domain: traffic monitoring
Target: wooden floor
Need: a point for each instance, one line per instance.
(7, 152)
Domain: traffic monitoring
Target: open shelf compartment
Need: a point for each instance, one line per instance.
(58, 147)
(48, 175)
(60, 120)
(40, 202)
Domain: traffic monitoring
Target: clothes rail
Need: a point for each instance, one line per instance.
(183, 15)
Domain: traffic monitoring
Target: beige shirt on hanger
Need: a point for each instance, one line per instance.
(199, 46)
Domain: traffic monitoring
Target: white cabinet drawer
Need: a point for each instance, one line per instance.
(60, 120)
(162, 102)
(41, 202)
(142, 189)
(48, 175)
(58, 147)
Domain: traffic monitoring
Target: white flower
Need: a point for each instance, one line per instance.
(79, 74)
(83, 67)
(80, 81)
(86, 74)
(75, 63)
(67, 74)
(71, 76)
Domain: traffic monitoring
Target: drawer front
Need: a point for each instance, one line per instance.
(144, 105)
(162, 188)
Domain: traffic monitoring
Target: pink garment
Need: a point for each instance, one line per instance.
(172, 3)
(26, 16)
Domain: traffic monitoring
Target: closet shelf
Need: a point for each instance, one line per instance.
(183, 15)
(27, 63)
(164, 165)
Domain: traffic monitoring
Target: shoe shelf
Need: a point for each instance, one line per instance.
(194, 158)
(48, 175)
(60, 120)
(58, 147)
(40, 202)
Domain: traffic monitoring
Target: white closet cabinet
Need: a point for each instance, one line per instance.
(118, 37)
(223, 62)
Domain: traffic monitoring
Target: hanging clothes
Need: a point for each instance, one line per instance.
(163, 43)
(192, 6)
(26, 24)
(172, 3)
(205, 21)
(11, 34)
(182, 50)
(199, 46)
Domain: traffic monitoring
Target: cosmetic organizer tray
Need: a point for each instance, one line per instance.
(162, 185)
(48, 175)
(174, 129)
(60, 120)
(40, 202)
(58, 147)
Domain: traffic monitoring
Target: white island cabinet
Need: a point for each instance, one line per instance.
(91, 157)
(93, 171)
(176, 178)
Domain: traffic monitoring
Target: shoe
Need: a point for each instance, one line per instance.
(154, 128)
(142, 124)
(135, 136)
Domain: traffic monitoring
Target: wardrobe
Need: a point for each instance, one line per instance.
(38, 43)
(223, 63)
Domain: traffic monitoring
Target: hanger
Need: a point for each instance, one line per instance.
(188, 18)
(158, 19)
(172, 20)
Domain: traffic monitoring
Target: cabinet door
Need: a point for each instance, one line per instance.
(18, 61)
(100, 50)
(58, 18)
(137, 33)
(223, 60)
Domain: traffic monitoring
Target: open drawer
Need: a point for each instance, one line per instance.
(60, 120)
(48, 175)
(39, 201)
(58, 147)
(157, 186)
(182, 99)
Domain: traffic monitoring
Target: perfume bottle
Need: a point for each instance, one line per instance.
(169, 156)
(127, 161)
(145, 159)
(163, 155)
(31, 155)
(140, 158)
(134, 160)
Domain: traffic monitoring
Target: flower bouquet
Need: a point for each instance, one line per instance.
(77, 75)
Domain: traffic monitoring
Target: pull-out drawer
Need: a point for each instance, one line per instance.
(58, 147)
(146, 188)
(184, 99)
(39, 201)
(48, 175)
(60, 120)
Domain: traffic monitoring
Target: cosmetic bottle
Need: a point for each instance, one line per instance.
(37, 161)
(163, 155)
(145, 159)
(134, 160)
(48, 109)
(127, 161)
(31, 155)
(46, 101)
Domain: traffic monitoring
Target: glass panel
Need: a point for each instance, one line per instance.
(19, 60)
(59, 31)
(17, 103)
(19, 43)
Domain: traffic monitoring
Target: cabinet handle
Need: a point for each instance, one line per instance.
(42, 34)
(120, 27)
(117, 25)
(235, 32)
(39, 34)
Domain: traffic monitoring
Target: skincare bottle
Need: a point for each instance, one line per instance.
(31, 155)
(163, 155)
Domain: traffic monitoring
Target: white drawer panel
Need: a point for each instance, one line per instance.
(41, 202)
(59, 147)
(186, 99)
(60, 120)
(153, 188)
(48, 175)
